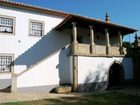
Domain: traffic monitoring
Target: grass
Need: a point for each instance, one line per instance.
(108, 98)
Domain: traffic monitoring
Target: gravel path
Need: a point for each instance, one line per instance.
(17, 97)
(11, 97)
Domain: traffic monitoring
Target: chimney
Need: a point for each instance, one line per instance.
(107, 18)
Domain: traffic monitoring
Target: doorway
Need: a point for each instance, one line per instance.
(116, 75)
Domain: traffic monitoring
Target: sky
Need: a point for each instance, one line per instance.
(124, 12)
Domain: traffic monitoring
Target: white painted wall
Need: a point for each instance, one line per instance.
(45, 73)
(43, 58)
(96, 69)
(50, 71)
(11, 42)
(5, 80)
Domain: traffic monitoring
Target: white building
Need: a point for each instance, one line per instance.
(41, 49)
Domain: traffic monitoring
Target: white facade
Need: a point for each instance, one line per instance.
(41, 57)
(44, 62)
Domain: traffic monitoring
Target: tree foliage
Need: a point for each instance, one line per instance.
(128, 44)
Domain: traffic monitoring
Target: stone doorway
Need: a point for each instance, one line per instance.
(116, 75)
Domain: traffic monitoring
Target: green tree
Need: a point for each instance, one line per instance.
(128, 44)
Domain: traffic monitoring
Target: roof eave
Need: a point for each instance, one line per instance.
(72, 16)
(33, 8)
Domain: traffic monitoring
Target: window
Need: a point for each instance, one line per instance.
(5, 63)
(36, 28)
(6, 25)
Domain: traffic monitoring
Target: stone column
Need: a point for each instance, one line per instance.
(120, 43)
(107, 37)
(74, 45)
(120, 38)
(92, 42)
(74, 30)
(75, 58)
(14, 82)
(75, 74)
(107, 41)
(91, 35)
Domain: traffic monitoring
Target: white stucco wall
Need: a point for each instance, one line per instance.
(51, 71)
(43, 57)
(21, 41)
(5, 80)
(95, 69)
(45, 73)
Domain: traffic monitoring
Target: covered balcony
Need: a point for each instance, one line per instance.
(91, 37)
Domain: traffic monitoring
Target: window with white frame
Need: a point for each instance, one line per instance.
(5, 63)
(36, 28)
(6, 25)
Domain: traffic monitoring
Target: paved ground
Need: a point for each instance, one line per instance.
(131, 90)
(11, 97)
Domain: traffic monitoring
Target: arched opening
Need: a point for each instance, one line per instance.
(116, 75)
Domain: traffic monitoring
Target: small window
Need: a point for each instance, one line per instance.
(36, 28)
(5, 63)
(6, 25)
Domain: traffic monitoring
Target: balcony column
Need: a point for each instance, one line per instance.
(92, 43)
(74, 38)
(74, 32)
(107, 41)
(120, 43)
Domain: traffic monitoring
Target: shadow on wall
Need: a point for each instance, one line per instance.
(95, 80)
(4, 83)
(64, 66)
(102, 78)
(44, 48)
(128, 72)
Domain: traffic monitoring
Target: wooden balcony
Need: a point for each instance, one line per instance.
(96, 50)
